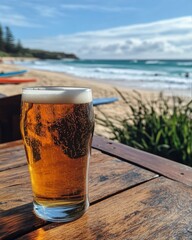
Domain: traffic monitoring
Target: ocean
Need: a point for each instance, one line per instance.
(162, 75)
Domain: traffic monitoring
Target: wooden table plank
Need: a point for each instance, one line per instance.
(162, 166)
(126, 201)
(18, 221)
(108, 176)
(12, 158)
(11, 144)
(158, 209)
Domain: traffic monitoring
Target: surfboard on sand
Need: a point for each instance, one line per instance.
(12, 74)
(100, 101)
(16, 80)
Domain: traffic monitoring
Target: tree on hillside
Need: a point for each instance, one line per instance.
(9, 41)
(1, 39)
(19, 47)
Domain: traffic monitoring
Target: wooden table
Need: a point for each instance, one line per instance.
(133, 195)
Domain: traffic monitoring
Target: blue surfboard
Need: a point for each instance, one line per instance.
(12, 74)
(100, 101)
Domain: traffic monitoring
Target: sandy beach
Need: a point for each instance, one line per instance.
(46, 78)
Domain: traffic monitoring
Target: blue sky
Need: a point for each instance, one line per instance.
(103, 29)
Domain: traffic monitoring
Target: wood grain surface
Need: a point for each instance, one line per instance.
(128, 202)
(158, 209)
(108, 176)
(162, 166)
(11, 144)
(12, 157)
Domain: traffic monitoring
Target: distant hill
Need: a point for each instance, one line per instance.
(10, 48)
(42, 54)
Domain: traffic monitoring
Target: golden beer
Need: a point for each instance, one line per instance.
(57, 126)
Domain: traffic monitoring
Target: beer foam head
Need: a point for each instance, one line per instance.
(57, 95)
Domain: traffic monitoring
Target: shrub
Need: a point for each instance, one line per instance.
(3, 54)
(162, 127)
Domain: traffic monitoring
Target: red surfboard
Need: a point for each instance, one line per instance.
(16, 80)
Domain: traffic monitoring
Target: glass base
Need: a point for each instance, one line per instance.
(64, 213)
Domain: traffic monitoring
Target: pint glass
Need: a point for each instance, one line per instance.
(57, 127)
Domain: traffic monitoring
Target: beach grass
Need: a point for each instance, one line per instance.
(161, 126)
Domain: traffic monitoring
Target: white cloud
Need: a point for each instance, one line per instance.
(163, 39)
(96, 7)
(18, 20)
(46, 11)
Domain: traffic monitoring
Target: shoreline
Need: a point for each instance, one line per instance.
(100, 90)
(65, 78)
(118, 83)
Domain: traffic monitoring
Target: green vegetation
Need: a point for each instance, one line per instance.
(7, 44)
(10, 47)
(48, 55)
(162, 127)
